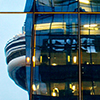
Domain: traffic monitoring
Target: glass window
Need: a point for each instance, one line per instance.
(90, 55)
(56, 62)
(65, 50)
(90, 5)
(56, 6)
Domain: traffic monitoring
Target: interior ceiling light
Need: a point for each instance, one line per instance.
(74, 59)
(54, 64)
(33, 87)
(54, 25)
(33, 59)
(84, 1)
(91, 25)
(28, 59)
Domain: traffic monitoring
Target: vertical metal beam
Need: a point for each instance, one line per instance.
(32, 54)
(79, 52)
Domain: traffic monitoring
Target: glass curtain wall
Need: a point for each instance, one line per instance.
(58, 56)
(90, 37)
(56, 70)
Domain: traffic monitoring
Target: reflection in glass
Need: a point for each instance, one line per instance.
(90, 56)
(56, 70)
(57, 24)
(90, 5)
(90, 39)
(56, 5)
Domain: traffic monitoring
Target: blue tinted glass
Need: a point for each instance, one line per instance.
(57, 24)
(56, 69)
(90, 49)
(90, 5)
(56, 5)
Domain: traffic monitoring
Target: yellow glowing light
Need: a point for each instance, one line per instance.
(40, 59)
(74, 59)
(28, 59)
(87, 63)
(85, 1)
(33, 87)
(70, 85)
(56, 89)
(86, 26)
(54, 25)
(96, 28)
(48, 57)
(53, 94)
(91, 25)
(73, 87)
(33, 59)
(68, 58)
(37, 87)
(54, 64)
(91, 28)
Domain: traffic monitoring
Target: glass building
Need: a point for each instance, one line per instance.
(62, 50)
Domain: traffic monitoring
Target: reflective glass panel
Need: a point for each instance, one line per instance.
(89, 5)
(56, 5)
(56, 61)
(28, 32)
(90, 37)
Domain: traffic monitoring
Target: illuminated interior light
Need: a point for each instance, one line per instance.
(70, 86)
(33, 59)
(86, 8)
(54, 64)
(48, 57)
(28, 59)
(33, 87)
(40, 59)
(91, 28)
(86, 26)
(56, 89)
(68, 58)
(96, 28)
(91, 25)
(53, 94)
(84, 1)
(87, 63)
(90, 88)
(37, 86)
(54, 25)
(74, 59)
(73, 87)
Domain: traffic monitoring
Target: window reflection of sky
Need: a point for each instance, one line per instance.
(57, 24)
(67, 5)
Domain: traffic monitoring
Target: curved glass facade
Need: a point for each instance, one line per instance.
(56, 49)
(90, 55)
(62, 43)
